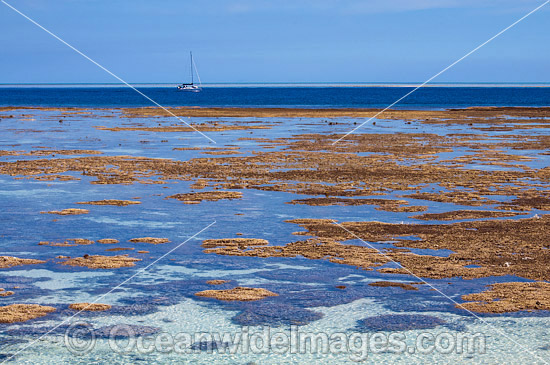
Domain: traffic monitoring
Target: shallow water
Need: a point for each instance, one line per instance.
(162, 295)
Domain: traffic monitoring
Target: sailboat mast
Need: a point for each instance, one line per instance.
(191, 68)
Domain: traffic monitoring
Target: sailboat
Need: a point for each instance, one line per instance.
(192, 87)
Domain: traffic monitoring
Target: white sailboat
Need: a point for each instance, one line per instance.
(192, 87)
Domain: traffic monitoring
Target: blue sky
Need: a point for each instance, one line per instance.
(275, 40)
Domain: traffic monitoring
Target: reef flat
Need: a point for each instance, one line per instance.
(411, 209)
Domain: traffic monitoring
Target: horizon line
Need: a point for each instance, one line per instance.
(295, 84)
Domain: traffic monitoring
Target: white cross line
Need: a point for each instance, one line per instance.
(109, 292)
(442, 71)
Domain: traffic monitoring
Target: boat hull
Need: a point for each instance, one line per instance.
(190, 88)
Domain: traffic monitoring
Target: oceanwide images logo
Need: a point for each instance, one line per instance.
(81, 339)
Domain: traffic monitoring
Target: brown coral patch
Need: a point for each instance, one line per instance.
(383, 204)
(215, 149)
(69, 211)
(457, 197)
(240, 243)
(23, 312)
(480, 248)
(107, 241)
(226, 152)
(206, 195)
(10, 261)
(203, 127)
(10, 153)
(111, 202)
(530, 202)
(314, 249)
(151, 240)
(56, 177)
(102, 262)
(94, 307)
(509, 297)
(5, 293)
(45, 152)
(70, 242)
(403, 208)
(217, 282)
(238, 293)
(464, 214)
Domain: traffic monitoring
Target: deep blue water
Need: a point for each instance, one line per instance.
(319, 97)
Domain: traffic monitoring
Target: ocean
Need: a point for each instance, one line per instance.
(111, 178)
(287, 96)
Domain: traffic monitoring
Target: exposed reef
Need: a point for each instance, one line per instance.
(115, 202)
(194, 198)
(151, 240)
(238, 293)
(93, 307)
(509, 297)
(23, 312)
(101, 262)
(68, 211)
(10, 261)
